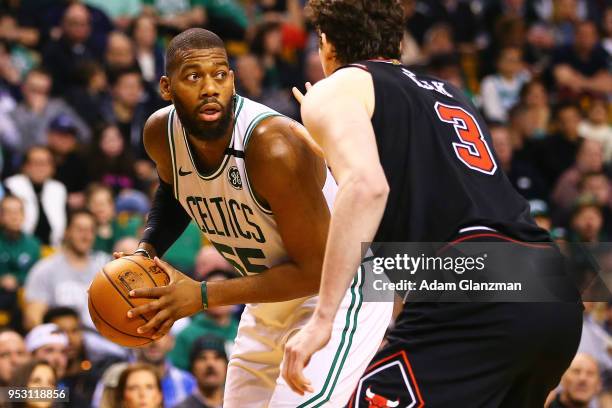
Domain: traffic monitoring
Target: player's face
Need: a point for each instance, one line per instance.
(202, 89)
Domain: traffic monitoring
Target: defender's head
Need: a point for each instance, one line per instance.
(355, 30)
(200, 83)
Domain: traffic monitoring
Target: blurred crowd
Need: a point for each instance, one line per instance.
(78, 79)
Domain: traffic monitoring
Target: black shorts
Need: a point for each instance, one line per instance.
(478, 354)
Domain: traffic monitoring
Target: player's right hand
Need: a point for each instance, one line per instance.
(299, 96)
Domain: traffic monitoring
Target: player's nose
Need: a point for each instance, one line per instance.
(209, 88)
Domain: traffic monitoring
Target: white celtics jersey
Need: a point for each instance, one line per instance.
(223, 203)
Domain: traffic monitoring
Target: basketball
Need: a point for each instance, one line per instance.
(109, 299)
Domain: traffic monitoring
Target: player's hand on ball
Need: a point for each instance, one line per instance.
(298, 351)
(180, 298)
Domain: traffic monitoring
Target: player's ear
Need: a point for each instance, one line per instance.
(164, 88)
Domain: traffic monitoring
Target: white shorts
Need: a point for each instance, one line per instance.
(253, 378)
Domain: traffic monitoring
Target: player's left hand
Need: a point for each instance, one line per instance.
(180, 298)
(298, 351)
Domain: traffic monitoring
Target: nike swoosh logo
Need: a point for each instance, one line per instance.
(184, 173)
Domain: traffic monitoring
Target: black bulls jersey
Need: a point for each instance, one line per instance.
(438, 157)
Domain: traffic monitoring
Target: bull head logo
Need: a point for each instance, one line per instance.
(378, 401)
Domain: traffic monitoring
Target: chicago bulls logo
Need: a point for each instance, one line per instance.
(392, 376)
(378, 401)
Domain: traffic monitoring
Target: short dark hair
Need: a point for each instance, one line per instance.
(116, 74)
(192, 39)
(359, 29)
(81, 211)
(59, 311)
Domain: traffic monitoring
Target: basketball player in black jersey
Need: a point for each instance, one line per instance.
(414, 163)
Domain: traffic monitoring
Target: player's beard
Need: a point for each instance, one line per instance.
(205, 130)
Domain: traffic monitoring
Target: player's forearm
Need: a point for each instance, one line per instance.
(283, 282)
(166, 221)
(357, 212)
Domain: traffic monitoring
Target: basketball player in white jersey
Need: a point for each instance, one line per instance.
(261, 195)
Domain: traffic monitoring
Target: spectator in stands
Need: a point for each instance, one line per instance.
(33, 116)
(218, 321)
(18, 250)
(121, 12)
(554, 154)
(139, 386)
(126, 245)
(13, 354)
(88, 97)
(110, 227)
(583, 67)
(250, 77)
(519, 129)
(607, 30)
(540, 213)
(580, 384)
(48, 342)
(208, 364)
(65, 56)
(111, 161)
(534, 98)
(523, 176)
(175, 16)
(88, 355)
(70, 165)
(267, 45)
(208, 260)
(35, 374)
(63, 279)
(149, 55)
(438, 40)
(44, 199)
(586, 221)
(106, 391)
(597, 127)
(597, 185)
(128, 107)
(501, 91)
(119, 52)
(176, 384)
(589, 159)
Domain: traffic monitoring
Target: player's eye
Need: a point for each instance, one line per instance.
(221, 75)
(193, 76)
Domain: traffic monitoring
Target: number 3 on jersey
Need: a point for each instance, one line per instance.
(472, 148)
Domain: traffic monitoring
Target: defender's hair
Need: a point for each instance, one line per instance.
(359, 29)
(192, 39)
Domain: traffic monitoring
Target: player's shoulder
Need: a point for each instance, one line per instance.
(348, 80)
(157, 123)
(344, 86)
(154, 134)
(274, 141)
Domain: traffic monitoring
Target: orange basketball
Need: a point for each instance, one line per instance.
(109, 299)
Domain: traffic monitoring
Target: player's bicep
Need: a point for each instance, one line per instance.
(287, 174)
(349, 144)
